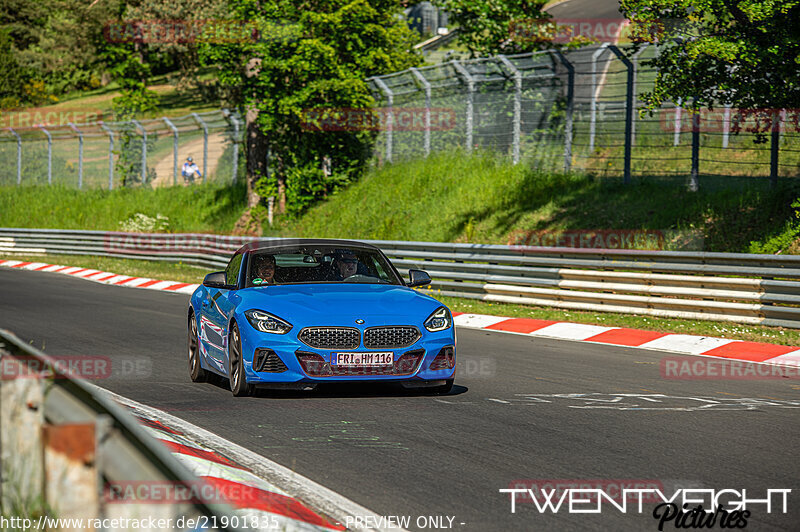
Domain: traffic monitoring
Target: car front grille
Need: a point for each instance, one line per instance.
(392, 337)
(330, 337)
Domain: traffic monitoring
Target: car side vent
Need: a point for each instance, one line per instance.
(268, 361)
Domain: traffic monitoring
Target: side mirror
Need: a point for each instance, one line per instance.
(418, 278)
(215, 280)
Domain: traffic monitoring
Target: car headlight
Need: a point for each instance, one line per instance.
(266, 322)
(439, 320)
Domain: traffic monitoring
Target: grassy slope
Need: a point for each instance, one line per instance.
(449, 197)
(206, 209)
(454, 197)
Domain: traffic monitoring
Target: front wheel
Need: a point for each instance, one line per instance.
(196, 371)
(236, 376)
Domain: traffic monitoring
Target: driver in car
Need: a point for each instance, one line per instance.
(347, 265)
(263, 270)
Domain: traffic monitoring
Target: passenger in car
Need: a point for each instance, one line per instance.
(263, 270)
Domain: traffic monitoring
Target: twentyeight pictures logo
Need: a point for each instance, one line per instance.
(682, 507)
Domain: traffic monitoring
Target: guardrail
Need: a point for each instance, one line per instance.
(735, 287)
(63, 443)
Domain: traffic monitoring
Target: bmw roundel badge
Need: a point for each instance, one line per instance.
(360, 321)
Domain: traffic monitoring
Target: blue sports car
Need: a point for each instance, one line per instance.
(295, 313)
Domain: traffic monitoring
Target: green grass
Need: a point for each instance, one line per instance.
(484, 199)
(191, 274)
(200, 208)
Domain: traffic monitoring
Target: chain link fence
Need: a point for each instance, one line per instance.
(113, 154)
(578, 110)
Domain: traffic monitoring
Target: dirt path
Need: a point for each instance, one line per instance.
(164, 167)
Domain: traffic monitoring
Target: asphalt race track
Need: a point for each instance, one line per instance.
(398, 453)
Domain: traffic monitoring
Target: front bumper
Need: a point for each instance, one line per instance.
(287, 347)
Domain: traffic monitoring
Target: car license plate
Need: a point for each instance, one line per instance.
(364, 359)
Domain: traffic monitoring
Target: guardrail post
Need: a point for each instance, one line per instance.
(141, 128)
(427, 87)
(693, 185)
(49, 155)
(628, 112)
(205, 143)
(236, 125)
(517, 124)
(389, 117)
(635, 59)
(463, 72)
(570, 110)
(19, 155)
(110, 154)
(594, 96)
(21, 420)
(80, 153)
(174, 150)
(775, 142)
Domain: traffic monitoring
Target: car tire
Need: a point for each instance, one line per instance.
(444, 388)
(236, 374)
(196, 371)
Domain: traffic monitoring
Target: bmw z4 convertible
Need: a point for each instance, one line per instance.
(296, 313)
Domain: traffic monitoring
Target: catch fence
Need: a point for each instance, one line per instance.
(578, 110)
(46, 147)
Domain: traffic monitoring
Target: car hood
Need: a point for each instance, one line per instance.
(341, 304)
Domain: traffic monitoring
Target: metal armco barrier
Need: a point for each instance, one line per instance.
(63, 442)
(736, 287)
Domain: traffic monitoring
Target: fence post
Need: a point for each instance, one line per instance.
(80, 153)
(635, 59)
(236, 124)
(628, 112)
(49, 155)
(427, 86)
(110, 154)
(593, 101)
(463, 72)
(570, 109)
(678, 112)
(174, 150)
(19, 155)
(389, 117)
(726, 125)
(140, 127)
(693, 184)
(205, 143)
(517, 106)
(775, 143)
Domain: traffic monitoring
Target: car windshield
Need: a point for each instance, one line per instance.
(320, 264)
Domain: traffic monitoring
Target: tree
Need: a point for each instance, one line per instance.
(59, 42)
(744, 53)
(302, 56)
(487, 27)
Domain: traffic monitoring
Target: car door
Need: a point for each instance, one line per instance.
(218, 306)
